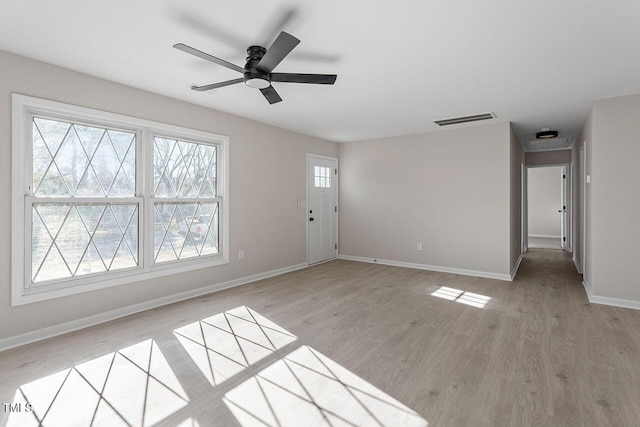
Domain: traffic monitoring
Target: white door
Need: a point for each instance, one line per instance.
(563, 208)
(322, 208)
(583, 207)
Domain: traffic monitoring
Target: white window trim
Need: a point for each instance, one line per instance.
(22, 107)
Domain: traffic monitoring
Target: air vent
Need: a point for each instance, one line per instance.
(465, 119)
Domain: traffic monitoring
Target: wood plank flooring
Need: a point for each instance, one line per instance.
(352, 344)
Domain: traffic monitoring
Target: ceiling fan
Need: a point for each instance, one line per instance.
(257, 72)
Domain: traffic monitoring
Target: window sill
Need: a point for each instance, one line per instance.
(43, 293)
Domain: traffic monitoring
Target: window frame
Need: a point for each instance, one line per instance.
(24, 108)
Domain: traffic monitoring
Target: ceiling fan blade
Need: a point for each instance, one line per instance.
(188, 49)
(271, 95)
(212, 29)
(280, 48)
(217, 85)
(320, 79)
(285, 15)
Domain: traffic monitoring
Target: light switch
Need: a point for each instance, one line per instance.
(588, 179)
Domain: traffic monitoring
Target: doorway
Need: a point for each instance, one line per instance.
(547, 201)
(322, 208)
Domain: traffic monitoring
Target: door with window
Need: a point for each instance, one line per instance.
(322, 208)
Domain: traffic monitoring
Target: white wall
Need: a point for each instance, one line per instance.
(449, 190)
(544, 201)
(267, 176)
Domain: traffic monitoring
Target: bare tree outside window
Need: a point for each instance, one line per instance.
(185, 204)
(71, 234)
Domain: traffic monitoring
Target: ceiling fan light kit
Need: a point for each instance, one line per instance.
(257, 82)
(257, 72)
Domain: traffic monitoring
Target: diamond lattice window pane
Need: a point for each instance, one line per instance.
(70, 239)
(52, 131)
(185, 230)
(77, 160)
(184, 169)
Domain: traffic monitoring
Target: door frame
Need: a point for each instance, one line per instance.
(564, 202)
(568, 185)
(337, 198)
(524, 209)
(582, 152)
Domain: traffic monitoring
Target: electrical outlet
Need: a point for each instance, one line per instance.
(419, 246)
(241, 254)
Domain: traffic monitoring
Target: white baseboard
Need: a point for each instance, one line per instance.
(516, 267)
(546, 236)
(464, 272)
(615, 302)
(74, 325)
(577, 264)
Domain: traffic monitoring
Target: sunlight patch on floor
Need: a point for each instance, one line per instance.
(190, 422)
(225, 344)
(468, 298)
(133, 386)
(306, 385)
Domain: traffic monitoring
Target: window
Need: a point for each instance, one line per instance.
(101, 199)
(185, 202)
(74, 167)
(322, 177)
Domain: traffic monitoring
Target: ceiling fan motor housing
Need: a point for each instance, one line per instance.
(252, 76)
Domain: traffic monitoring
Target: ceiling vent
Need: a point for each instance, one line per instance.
(465, 119)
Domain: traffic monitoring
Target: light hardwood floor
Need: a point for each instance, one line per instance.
(361, 344)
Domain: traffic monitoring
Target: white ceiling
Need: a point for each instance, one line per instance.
(401, 64)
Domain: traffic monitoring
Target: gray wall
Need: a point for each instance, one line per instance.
(449, 190)
(614, 199)
(557, 157)
(258, 153)
(544, 200)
